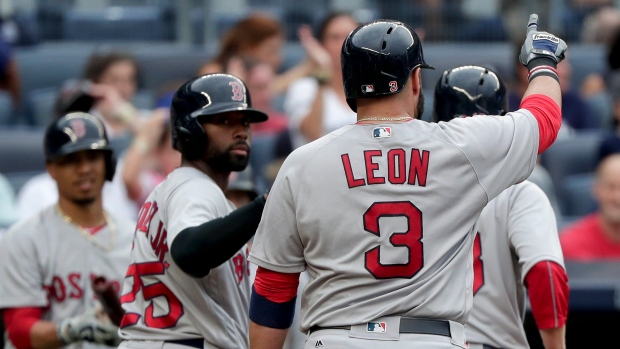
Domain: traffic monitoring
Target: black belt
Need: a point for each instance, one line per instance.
(408, 325)
(194, 342)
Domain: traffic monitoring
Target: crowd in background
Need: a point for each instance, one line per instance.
(306, 101)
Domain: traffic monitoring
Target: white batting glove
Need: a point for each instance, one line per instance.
(88, 327)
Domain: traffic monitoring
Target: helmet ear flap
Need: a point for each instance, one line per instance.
(190, 144)
(110, 166)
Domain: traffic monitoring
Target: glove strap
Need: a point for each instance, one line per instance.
(62, 332)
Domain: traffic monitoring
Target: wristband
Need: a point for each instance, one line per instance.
(543, 70)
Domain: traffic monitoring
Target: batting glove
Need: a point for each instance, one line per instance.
(540, 44)
(88, 327)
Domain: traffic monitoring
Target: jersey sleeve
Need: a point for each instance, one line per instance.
(190, 204)
(532, 228)
(22, 281)
(277, 245)
(501, 149)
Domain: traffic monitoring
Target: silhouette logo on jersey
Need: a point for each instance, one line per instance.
(378, 327)
(382, 132)
(319, 344)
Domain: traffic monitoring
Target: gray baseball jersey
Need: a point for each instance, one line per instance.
(47, 262)
(382, 216)
(163, 302)
(515, 231)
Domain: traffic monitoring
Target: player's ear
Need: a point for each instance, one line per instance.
(416, 81)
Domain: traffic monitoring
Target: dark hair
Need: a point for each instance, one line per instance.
(327, 21)
(98, 63)
(249, 32)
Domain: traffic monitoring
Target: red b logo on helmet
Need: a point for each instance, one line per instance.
(237, 91)
(78, 127)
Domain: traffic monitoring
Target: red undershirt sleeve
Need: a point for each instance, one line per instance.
(19, 322)
(548, 115)
(547, 286)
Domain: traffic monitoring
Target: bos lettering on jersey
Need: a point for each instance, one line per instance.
(71, 286)
(401, 169)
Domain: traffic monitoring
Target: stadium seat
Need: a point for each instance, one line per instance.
(40, 105)
(578, 200)
(21, 150)
(159, 68)
(573, 155)
(6, 109)
(144, 23)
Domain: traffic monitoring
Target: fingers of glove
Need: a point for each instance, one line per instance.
(532, 24)
(87, 327)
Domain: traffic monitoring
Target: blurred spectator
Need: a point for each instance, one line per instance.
(317, 105)
(601, 26)
(10, 80)
(575, 111)
(259, 36)
(115, 79)
(8, 206)
(597, 236)
(258, 77)
(150, 158)
(611, 141)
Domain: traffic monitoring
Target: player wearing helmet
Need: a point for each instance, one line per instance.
(187, 284)
(381, 213)
(516, 239)
(47, 261)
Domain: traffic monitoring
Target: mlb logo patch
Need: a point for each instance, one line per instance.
(377, 327)
(368, 88)
(382, 132)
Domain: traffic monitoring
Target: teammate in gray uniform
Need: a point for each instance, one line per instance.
(381, 213)
(47, 261)
(188, 285)
(516, 239)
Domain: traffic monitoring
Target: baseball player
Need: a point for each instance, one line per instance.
(188, 284)
(47, 261)
(384, 223)
(516, 239)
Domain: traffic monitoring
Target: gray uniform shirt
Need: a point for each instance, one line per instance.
(514, 232)
(382, 216)
(45, 262)
(168, 303)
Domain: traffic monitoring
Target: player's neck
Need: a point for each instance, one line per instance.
(388, 108)
(220, 178)
(85, 215)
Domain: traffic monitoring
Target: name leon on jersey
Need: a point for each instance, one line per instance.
(397, 163)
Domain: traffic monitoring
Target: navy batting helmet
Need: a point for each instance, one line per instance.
(199, 99)
(76, 132)
(377, 59)
(469, 90)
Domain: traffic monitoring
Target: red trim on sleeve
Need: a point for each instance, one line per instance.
(275, 286)
(549, 116)
(547, 286)
(19, 322)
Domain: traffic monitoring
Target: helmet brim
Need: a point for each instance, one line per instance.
(254, 115)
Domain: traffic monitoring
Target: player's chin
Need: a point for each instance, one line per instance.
(238, 163)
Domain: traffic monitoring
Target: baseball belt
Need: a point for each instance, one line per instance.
(408, 325)
(194, 342)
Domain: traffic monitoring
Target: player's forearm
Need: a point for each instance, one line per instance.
(262, 337)
(545, 85)
(284, 80)
(554, 338)
(43, 335)
(199, 249)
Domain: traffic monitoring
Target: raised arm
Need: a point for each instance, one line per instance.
(541, 54)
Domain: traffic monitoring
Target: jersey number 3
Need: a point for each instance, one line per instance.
(411, 239)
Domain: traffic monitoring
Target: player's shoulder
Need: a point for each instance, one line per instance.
(31, 227)
(186, 178)
(527, 190)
